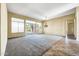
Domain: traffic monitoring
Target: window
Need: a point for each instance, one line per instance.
(32, 26)
(17, 25)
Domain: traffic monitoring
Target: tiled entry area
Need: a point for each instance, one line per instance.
(60, 48)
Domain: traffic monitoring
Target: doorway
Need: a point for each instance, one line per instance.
(70, 29)
(70, 26)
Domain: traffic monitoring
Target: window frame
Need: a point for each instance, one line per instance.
(17, 21)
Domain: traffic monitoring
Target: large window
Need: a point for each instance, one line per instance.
(32, 26)
(17, 25)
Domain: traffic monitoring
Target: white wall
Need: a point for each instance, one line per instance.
(0, 29)
(3, 28)
(77, 23)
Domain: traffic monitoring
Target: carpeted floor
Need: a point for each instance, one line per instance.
(31, 45)
(41, 45)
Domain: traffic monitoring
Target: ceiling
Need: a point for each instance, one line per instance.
(42, 11)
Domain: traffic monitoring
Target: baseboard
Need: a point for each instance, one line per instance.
(15, 37)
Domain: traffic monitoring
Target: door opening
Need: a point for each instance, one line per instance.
(70, 26)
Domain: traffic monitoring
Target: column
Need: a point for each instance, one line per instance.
(77, 23)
